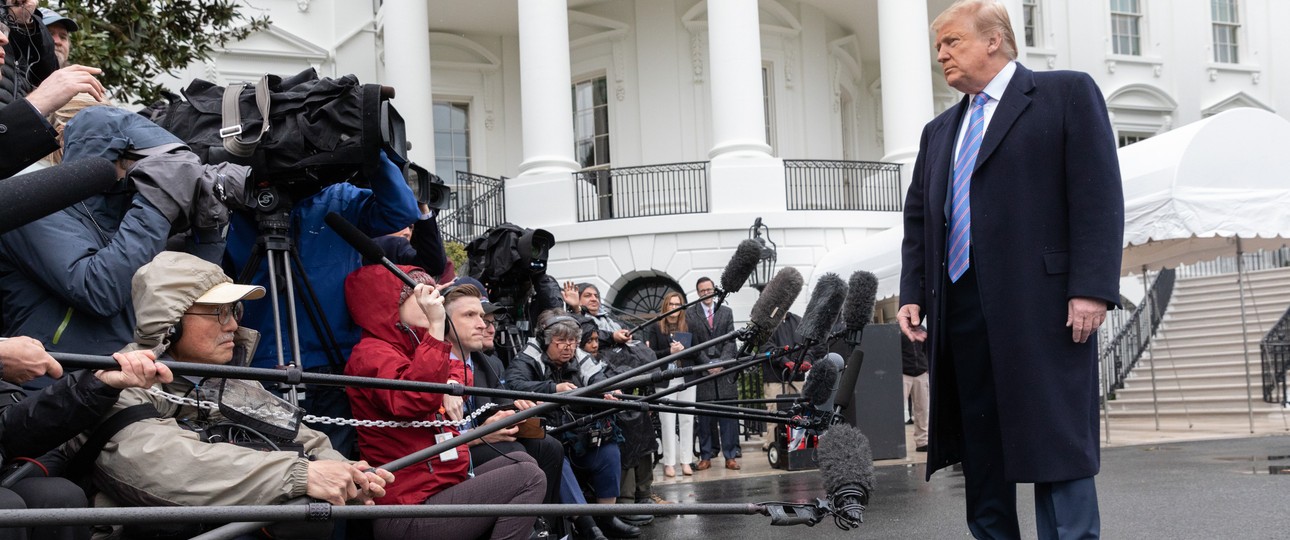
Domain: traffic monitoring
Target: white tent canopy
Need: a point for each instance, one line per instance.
(1189, 194)
(877, 253)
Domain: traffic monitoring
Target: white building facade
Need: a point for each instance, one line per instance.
(648, 135)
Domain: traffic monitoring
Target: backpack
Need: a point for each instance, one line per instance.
(319, 130)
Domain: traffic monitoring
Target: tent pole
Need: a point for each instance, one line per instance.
(1151, 312)
(1245, 340)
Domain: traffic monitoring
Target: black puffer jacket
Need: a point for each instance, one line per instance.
(29, 58)
(34, 423)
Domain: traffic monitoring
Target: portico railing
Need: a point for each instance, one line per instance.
(647, 190)
(817, 184)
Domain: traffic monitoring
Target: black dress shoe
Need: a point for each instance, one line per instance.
(637, 520)
(616, 528)
(586, 529)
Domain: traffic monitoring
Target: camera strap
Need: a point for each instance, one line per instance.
(231, 131)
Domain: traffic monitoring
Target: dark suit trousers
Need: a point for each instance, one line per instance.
(1062, 509)
(718, 435)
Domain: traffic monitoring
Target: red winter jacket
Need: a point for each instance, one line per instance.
(392, 350)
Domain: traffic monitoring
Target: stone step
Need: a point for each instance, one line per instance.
(1221, 368)
(1174, 390)
(1197, 414)
(1257, 299)
(1140, 378)
(1229, 307)
(1232, 325)
(1252, 276)
(1175, 339)
(1163, 348)
(1188, 403)
(1164, 355)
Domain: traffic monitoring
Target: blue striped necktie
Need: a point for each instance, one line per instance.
(961, 209)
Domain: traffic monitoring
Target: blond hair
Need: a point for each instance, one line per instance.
(59, 118)
(987, 17)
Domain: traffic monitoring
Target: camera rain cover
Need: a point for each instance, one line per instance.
(249, 404)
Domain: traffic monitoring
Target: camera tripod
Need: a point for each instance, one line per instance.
(274, 245)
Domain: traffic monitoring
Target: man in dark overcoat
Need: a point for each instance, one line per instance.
(707, 321)
(1013, 229)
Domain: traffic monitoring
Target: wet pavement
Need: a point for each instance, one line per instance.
(1235, 488)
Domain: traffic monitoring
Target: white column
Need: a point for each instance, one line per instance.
(904, 48)
(546, 106)
(407, 70)
(734, 50)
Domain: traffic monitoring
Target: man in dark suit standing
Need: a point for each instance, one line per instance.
(1013, 229)
(706, 321)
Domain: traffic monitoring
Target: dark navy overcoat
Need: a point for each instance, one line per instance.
(1047, 225)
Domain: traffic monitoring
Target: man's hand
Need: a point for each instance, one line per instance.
(62, 85)
(24, 359)
(715, 370)
(621, 335)
(139, 369)
(375, 487)
(1084, 316)
(570, 294)
(503, 435)
(524, 404)
(453, 405)
(22, 11)
(565, 387)
(910, 320)
(335, 481)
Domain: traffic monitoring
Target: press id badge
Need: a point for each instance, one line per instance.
(449, 454)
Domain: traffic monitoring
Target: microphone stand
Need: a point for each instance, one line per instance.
(233, 530)
(720, 294)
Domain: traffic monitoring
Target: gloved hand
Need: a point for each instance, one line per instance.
(191, 195)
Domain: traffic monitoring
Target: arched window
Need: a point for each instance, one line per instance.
(642, 296)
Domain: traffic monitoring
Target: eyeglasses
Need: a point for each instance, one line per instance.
(565, 343)
(224, 313)
(490, 324)
(706, 292)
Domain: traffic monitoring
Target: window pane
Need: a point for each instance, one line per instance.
(602, 120)
(444, 168)
(583, 153)
(442, 144)
(602, 91)
(459, 117)
(441, 114)
(602, 150)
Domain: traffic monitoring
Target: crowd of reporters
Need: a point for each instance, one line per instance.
(143, 271)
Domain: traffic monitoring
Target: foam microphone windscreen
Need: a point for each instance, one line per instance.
(845, 459)
(820, 383)
(32, 196)
(823, 309)
(742, 264)
(861, 290)
(773, 304)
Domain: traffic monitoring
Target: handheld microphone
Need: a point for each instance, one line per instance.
(771, 307)
(823, 309)
(34, 195)
(742, 264)
(364, 245)
(846, 464)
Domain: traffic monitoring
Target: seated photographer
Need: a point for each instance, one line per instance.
(34, 423)
(403, 339)
(250, 450)
(325, 259)
(65, 278)
(549, 365)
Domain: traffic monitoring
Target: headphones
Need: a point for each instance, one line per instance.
(175, 332)
(541, 331)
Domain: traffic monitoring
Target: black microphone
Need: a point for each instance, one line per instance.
(742, 264)
(823, 309)
(820, 384)
(858, 312)
(29, 197)
(861, 293)
(846, 464)
(364, 245)
(771, 307)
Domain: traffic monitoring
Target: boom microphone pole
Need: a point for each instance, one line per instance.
(740, 267)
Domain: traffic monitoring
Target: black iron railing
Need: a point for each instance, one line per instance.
(648, 190)
(1275, 350)
(478, 204)
(1131, 333)
(814, 184)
